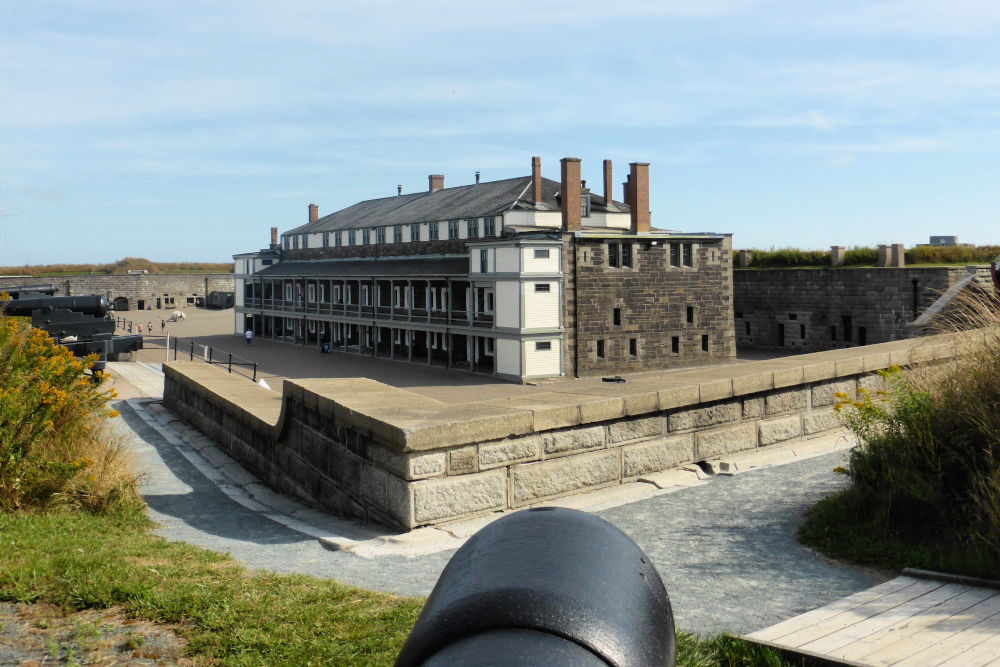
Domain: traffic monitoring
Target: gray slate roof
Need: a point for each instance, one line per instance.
(465, 201)
(438, 266)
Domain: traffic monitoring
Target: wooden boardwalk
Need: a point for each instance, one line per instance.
(919, 619)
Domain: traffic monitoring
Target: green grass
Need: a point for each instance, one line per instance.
(842, 527)
(230, 615)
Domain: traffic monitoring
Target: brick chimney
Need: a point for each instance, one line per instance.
(570, 191)
(608, 183)
(536, 179)
(435, 182)
(274, 237)
(639, 178)
(313, 213)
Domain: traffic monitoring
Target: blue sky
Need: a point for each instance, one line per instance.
(184, 131)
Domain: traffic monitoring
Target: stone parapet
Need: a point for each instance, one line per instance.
(364, 449)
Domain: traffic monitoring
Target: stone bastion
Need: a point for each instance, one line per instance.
(364, 449)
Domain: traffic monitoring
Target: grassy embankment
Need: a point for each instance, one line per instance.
(926, 479)
(120, 267)
(859, 257)
(73, 534)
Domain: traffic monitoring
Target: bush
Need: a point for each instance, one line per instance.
(952, 255)
(928, 463)
(56, 443)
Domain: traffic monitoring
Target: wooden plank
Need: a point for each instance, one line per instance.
(929, 638)
(955, 645)
(976, 656)
(859, 614)
(874, 648)
(835, 643)
(859, 599)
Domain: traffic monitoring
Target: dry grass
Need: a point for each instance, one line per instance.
(120, 267)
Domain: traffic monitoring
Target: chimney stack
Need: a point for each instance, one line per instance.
(607, 182)
(274, 237)
(313, 213)
(570, 191)
(536, 180)
(477, 177)
(639, 180)
(399, 190)
(435, 182)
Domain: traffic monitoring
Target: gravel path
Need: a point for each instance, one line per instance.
(726, 549)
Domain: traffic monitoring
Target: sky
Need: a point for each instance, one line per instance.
(185, 131)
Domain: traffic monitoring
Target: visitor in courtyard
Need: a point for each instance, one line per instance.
(249, 336)
(163, 326)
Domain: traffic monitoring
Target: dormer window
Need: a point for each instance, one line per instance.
(585, 206)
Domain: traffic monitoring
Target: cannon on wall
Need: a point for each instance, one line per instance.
(546, 586)
(78, 323)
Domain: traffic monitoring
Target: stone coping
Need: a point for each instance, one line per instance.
(411, 422)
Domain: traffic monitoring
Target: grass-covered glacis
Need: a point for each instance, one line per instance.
(55, 440)
(926, 474)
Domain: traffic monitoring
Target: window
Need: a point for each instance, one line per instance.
(432, 231)
(690, 314)
(326, 239)
(305, 240)
(847, 328)
(675, 254)
(452, 229)
(266, 262)
(541, 254)
(311, 292)
(542, 287)
(627, 255)
(675, 344)
(352, 237)
(704, 343)
(585, 206)
(633, 347)
(472, 228)
(484, 260)
(793, 316)
(286, 243)
(688, 254)
(747, 327)
(616, 317)
(415, 231)
(489, 226)
(802, 331)
(380, 235)
(397, 233)
(338, 239)
(543, 345)
(366, 236)
(600, 349)
(490, 346)
(489, 301)
(295, 242)
(613, 254)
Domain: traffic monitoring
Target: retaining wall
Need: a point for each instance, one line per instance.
(363, 449)
(170, 291)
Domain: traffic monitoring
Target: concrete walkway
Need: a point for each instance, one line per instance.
(725, 546)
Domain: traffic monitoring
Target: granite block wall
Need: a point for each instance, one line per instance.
(172, 290)
(807, 310)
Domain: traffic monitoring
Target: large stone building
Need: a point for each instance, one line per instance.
(520, 278)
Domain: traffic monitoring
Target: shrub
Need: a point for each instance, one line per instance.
(858, 255)
(55, 439)
(928, 463)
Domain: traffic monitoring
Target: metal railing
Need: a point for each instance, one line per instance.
(185, 347)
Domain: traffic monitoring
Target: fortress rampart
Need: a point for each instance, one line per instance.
(360, 448)
(148, 291)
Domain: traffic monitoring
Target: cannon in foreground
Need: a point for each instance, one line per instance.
(546, 586)
(78, 323)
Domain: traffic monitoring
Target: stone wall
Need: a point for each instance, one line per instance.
(172, 290)
(363, 449)
(820, 309)
(670, 316)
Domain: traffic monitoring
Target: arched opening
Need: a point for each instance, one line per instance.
(120, 303)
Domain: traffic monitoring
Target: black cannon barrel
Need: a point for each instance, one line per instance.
(93, 304)
(18, 290)
(547, 586)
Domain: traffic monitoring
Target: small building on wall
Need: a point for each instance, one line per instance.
(521, 278)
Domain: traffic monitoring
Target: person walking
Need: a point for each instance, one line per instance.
(149, 328)
(139, 325)
(163, 326)
(249, 336)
